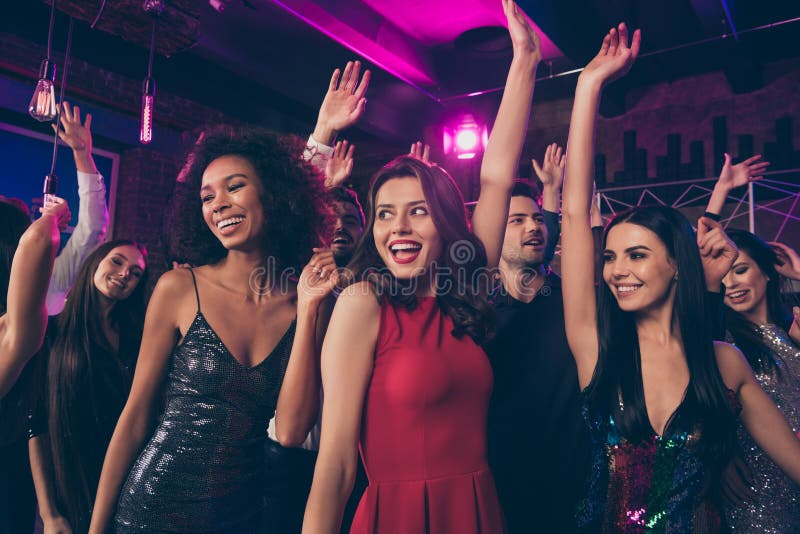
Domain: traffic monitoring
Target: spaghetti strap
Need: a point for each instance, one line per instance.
(196, 293)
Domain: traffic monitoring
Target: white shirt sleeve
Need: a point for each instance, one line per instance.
(89, 232)
(317, 153)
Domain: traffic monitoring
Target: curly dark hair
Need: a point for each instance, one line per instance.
(294, 199)
(458, 284)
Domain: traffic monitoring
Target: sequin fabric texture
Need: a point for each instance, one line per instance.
(652, 486)
(202, 470)
(777, 506)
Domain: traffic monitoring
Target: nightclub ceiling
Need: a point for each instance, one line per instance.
(429, 57)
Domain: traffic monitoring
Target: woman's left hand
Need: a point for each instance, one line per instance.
(717, 252)
(523, 38)
(788, 260)
(794, 329)
(318, 278)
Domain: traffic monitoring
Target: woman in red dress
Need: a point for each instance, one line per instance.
(404, 378)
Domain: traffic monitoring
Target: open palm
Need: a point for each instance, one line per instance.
(749, 170)
(522, 35)
(76, 135)
(615, 57)
(344, 103)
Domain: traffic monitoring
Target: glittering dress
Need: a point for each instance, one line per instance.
(423, 435)
(777, 506)
(655, 485)
(202, 470)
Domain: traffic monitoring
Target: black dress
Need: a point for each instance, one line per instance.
(202, 470)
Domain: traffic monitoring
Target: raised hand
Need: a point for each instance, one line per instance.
(523, 38)
(615, 57)
(344, 103)
(58, 209)
(77, 136)
(551, 172)
(794, 329)
(717, 252)
(420, 151)
(788, 263)
(749, 170)
(318, 278)
(340, 164)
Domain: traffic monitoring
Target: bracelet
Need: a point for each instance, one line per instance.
(713, 216)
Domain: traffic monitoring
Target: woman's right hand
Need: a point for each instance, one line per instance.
(615, 57)
(58, 209)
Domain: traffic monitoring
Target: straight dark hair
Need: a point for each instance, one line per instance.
(89, 381)
(618, 375)
(458, 292)
(745, 333)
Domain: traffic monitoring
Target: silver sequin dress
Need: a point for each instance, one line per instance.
(202, 470)
(777, 506)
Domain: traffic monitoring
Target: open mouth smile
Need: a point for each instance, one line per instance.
(626, 290)
(228, 225)
(405, 251)
(737, 297)
(342, 240)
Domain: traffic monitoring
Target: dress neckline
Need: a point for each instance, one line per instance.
(199, 316)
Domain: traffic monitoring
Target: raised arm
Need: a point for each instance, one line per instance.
(733, 176)
(22, 326)
(159, 338)
(92, 210)
(347, 359)
(762, 419)
(499, 166)
(340, 164)
(342, 107)
(613, 60)
(298, 401)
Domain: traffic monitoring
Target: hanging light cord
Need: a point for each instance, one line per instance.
(50, 31)
(152, 48)
(99, 14)
(61, 95)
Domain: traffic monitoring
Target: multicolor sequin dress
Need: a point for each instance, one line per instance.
(655, 485)
(776, 509)
(202, 470)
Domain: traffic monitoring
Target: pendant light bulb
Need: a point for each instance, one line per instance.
(43, 103)
(148, 102)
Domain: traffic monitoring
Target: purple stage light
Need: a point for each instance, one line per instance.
(466, 138)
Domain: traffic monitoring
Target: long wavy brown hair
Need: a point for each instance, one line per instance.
(88, 384)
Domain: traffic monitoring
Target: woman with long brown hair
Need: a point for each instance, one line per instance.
(88, 362)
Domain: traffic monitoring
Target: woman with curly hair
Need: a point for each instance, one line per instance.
(89, 356)
(404, 376)
(231, 341)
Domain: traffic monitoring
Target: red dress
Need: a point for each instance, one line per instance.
(423, 433)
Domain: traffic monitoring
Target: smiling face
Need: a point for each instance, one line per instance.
(119, 272)
(404, 233)
(746, 288)
(232, 208)
(637, 267)
(526, 235)
(347, 231)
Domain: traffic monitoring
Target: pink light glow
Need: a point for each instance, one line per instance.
(468, 155)
(466, 139)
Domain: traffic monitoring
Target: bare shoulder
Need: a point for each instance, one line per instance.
(359, 297)
(174, 284)
(732, 365)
